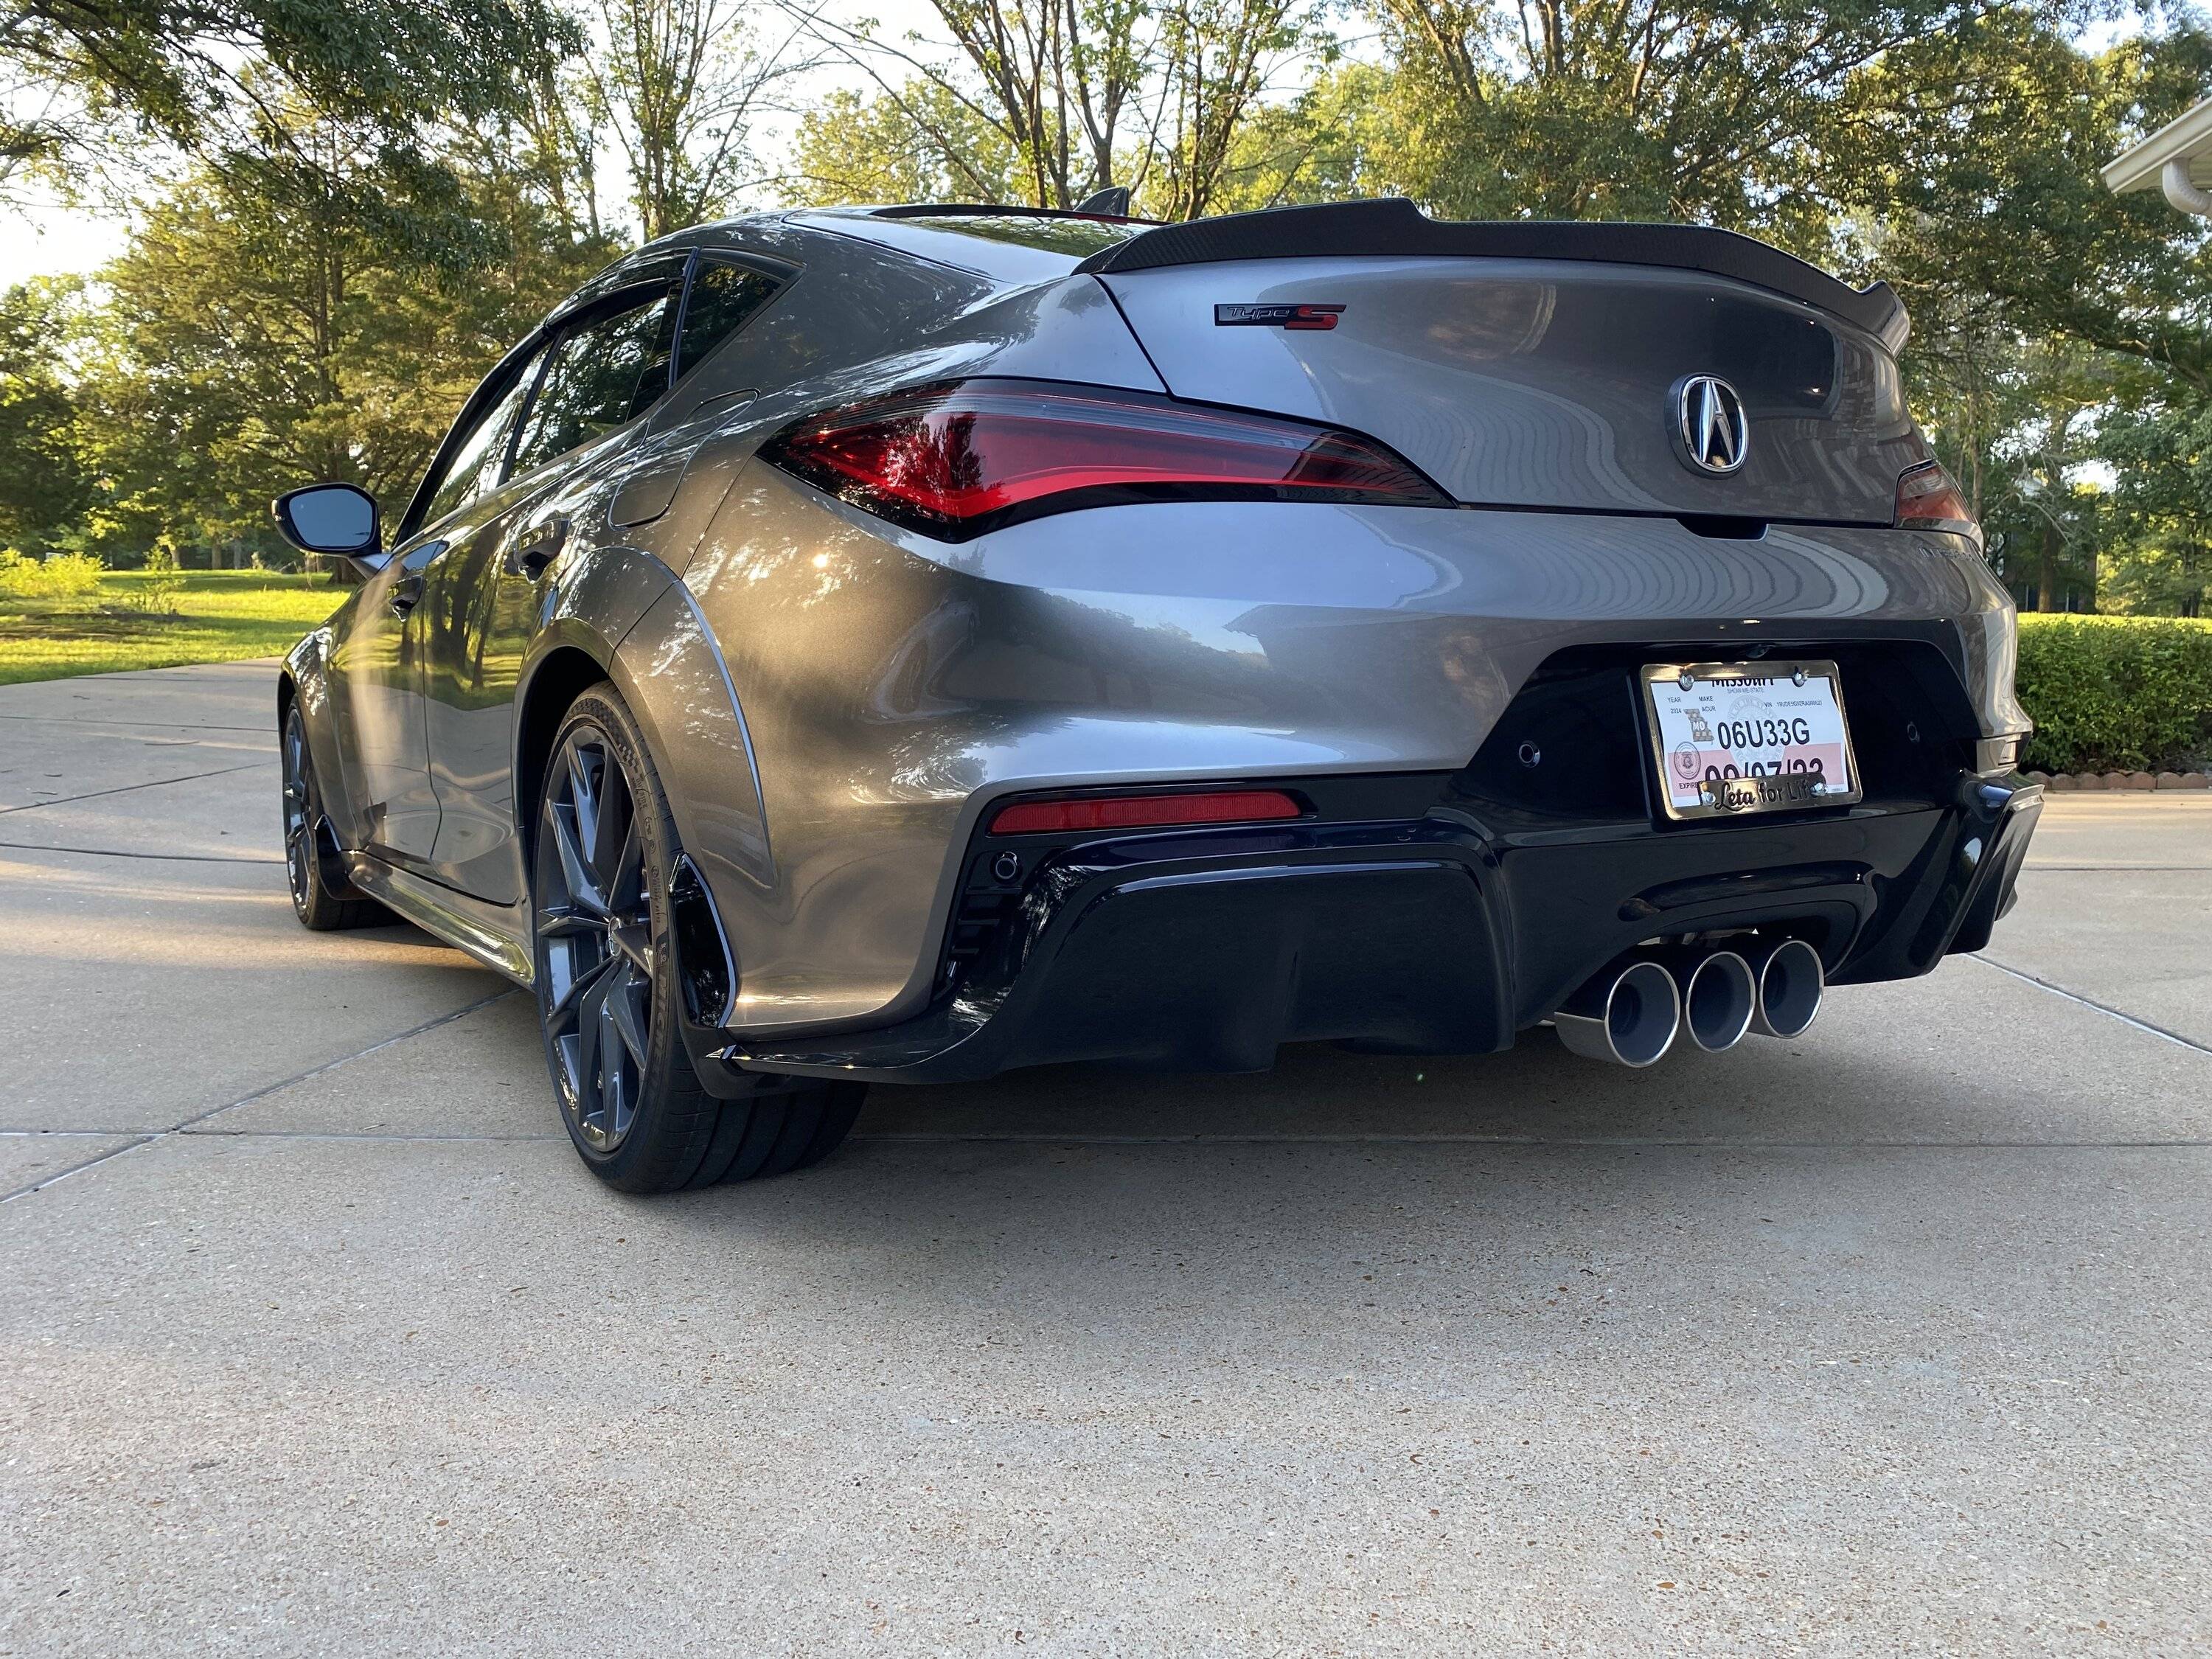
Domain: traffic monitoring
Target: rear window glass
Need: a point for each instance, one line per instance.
(1077, 238)
(1009, 247)
(723, 300)
(600, 375)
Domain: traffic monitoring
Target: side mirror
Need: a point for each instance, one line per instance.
(334, 518)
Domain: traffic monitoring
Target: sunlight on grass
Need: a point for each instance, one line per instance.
(221, 616)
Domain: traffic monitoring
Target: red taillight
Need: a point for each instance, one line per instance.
(956, 460)
(1036, 818)
(1928, 498)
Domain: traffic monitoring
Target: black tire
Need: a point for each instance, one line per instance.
(604, 845)
(322, 898)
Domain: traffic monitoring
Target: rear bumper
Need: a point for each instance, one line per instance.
(895, 691)
(1440, 933)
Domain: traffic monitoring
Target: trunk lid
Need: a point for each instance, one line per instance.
(1549, 383)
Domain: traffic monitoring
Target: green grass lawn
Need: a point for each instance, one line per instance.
(220, 616)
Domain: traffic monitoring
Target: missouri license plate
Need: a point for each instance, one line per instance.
(1737, 738)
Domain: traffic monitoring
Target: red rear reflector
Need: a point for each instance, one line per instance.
(1928, 498)
(956, 460)
(1036, 818)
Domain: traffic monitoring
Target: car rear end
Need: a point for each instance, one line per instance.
(1467, 626)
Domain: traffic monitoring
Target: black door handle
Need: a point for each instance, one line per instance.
(529, 556)
(406, 593)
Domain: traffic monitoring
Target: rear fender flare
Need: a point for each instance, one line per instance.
(622, 616)
(671, 673)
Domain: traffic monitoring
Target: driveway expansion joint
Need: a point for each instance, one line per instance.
(1196, 1139)
(125, 788)
(1693, 1143)
(118, 853)
(158, 726)
(147, 1138)
(2120, 1014)
(2116, 869)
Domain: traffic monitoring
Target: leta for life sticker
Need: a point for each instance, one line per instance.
(1731, 738)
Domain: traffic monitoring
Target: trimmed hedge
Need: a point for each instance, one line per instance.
(2116, 694)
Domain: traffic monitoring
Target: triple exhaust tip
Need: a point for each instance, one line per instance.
(1631, 1017)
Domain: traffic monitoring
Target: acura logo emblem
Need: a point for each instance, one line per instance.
(1709, 421)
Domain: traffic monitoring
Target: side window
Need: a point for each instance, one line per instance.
(723, 300)
(474, 469)
(597, 376)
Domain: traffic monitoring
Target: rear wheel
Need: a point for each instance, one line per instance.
(321, 899)
(633, 1105)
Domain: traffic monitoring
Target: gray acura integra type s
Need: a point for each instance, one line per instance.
(900, 644)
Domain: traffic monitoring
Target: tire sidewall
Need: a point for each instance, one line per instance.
(300, 881)
(669, 1084)
(312, 902)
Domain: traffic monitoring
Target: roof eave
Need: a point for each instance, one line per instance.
(2184, 138)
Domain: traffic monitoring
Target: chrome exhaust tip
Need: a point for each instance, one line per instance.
(1720, 1000)
(1791, 984)
(1630, 1018)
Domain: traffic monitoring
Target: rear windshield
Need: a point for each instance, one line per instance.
(1009, 247)
(1077, 238)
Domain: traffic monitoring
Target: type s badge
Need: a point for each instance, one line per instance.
(1308, 317)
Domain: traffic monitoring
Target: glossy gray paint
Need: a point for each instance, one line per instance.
(306, 680)
(374, 665)
(834, 703)
(1525, 382)
(590, 602)
(675, 680)
(893, 687)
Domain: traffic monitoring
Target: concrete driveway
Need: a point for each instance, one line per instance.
(315, 1338)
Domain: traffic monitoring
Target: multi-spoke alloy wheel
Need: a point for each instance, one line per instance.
(635, 1108)
(298, 810)
(595, 937)
(323, 901)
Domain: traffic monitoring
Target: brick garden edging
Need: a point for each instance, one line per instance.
(2062, 781)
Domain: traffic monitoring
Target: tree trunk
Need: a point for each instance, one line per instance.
(2046, 569)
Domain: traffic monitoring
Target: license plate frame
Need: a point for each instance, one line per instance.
(1770, 692)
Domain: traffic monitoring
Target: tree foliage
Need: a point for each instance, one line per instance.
(317, 314)
(373, 201)
(43, 485)
(1053, 99)
(679, 84)
(914, 142)
(87, 77)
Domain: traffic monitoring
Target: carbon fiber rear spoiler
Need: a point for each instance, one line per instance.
(1394, 226)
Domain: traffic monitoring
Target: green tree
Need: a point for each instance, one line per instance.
(1972, 164)
(2047, 312)
(1049, 82)
(93, 76)
(2161, 559)
(1217, 61)
(44, 488)
(1342, 137)
(678, 87)
(1046, 101)
(1641, 109)
(917, 141)
(319, 313)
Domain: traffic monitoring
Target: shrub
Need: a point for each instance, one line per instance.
(157, 593)
(67, 579)
(2116, 693)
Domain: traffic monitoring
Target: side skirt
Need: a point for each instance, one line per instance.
(494, 934)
